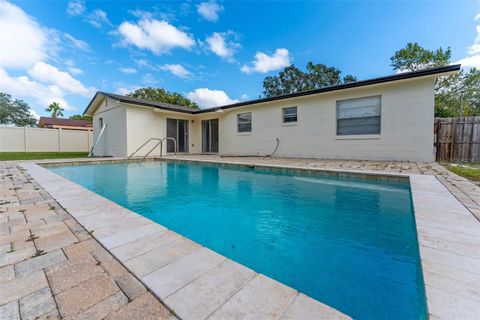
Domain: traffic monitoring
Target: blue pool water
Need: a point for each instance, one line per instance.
(347, 243)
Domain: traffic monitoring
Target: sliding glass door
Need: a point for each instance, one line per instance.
(177, 129)
(210, 135)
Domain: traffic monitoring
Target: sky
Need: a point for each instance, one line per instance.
(213, 52)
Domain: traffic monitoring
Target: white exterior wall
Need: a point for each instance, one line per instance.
(144, 123)
(114, 140)
(407, 116)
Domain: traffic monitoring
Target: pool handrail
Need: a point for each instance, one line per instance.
(174, 143)
(159, 142)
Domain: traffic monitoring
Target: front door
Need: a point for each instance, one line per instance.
(177, 129)
(210, 136)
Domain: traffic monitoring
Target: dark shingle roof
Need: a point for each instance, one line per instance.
(64, 122)
(184, 109)
(161, 105)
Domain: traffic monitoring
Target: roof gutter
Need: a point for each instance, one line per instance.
(397, 77)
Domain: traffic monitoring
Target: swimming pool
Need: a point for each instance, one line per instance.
(351, 244)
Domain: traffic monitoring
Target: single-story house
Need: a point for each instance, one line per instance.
(387, 118)
(61, 123)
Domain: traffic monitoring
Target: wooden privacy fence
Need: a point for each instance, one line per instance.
(457, 139)
(23, 139)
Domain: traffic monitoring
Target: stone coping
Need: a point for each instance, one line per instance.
(216, 287)
(362, 175)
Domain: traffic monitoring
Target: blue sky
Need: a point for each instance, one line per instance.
(214, 52)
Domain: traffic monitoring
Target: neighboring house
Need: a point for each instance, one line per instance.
(60, 123)
(388, 118)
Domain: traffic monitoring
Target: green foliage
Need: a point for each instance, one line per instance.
(471, 172)
(162, 95)
(81, 117)
(414, 57)
(4, 156)
(447, 89)
(292, 80)
(15, 112)
(55, 110)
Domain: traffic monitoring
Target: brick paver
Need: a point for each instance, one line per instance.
(52, 268)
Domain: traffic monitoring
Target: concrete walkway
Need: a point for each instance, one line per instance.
(52, 268)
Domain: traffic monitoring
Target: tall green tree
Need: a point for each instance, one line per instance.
(414, 57)
(448, 90)
(291, 79)
(15, 112)
(55, 110)
(81, 117)
(162, 95)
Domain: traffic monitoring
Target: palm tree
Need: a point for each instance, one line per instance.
(55, 109)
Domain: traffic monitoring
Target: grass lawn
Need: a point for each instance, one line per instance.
(40, 155)
(470, 171)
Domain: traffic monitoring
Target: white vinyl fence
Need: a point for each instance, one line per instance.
(16, 139)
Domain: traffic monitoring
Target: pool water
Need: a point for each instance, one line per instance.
(347, 243)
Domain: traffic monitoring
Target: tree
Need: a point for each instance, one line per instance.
(449, 89)
(162, 95)
(81, 117)
(292, 80)
(414, 57)
(55, 110)
(15, 112)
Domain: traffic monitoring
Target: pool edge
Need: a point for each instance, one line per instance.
(433, 203)
(288, 303)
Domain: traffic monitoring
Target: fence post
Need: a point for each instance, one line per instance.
(88, 139)
(59, 139)
(454, 138)
(25, 138)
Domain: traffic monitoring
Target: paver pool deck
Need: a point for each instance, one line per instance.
(68, 252)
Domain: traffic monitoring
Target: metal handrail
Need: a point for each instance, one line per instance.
(98, 139)
(174, 143)
(138, 149)
(151, 150)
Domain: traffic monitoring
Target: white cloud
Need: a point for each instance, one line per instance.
(127, 70)
(27, 41)
(177, 70)
(24, 87)
(264, 63)
(98, 18)
(34, 114)
(76, 7)
(124, 90)
(207, 98)
(209, 10)
(79, 44)
(472, 60)
(30, 52)
(219, 44)
(72, 68)
(51, 75)
(154, 35)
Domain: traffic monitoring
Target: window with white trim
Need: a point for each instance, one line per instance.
(359, 116)
(244, 122)
(289, 115)
(100, 123)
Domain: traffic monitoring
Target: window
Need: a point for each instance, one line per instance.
(289, 114)
(100, 123)
(244, 122)
(359, 116)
